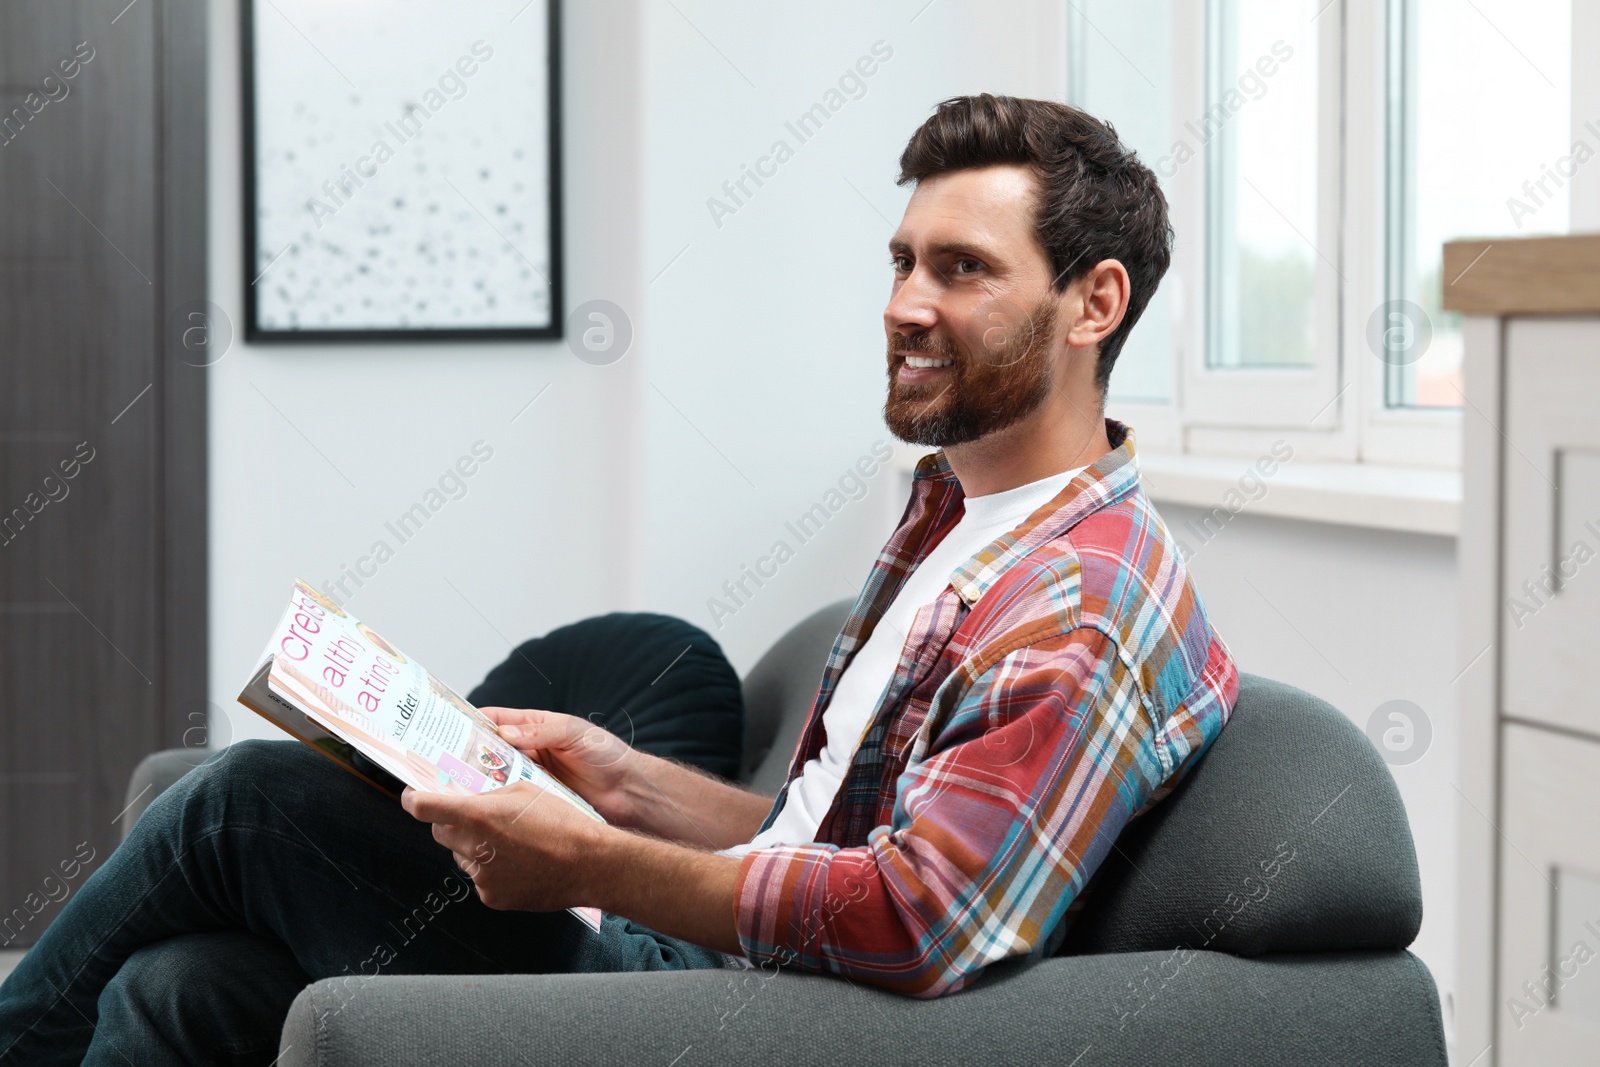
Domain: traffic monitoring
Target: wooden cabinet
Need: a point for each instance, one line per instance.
(1528, 963)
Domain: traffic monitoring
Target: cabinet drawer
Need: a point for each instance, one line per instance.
(1548, 1003)
(1550, 573)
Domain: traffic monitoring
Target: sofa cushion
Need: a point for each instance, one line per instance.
(1376, 1009)
(778, 693)
(659, 683)
(1288, 836)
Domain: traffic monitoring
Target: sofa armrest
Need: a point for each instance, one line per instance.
(1369, 1008)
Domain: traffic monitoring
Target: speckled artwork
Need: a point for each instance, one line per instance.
(402, 166)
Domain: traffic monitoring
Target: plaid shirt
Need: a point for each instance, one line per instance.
(1061, 685)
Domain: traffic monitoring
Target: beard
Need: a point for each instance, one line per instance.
(996, 381)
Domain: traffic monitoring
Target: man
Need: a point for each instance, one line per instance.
(1027, 668)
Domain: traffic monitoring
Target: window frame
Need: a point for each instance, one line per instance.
(1336, 410)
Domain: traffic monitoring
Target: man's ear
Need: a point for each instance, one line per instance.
(1097, 303)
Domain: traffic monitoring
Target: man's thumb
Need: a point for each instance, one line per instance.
(426, 807)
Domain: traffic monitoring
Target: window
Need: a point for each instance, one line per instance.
(1260, 126)
(1492, 153)
(1316, 154)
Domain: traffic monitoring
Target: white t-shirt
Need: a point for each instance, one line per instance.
(863, 682)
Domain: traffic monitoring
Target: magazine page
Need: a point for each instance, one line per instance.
(260, 698)
(354, 687)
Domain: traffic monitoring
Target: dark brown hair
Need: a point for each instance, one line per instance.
(1097, 201)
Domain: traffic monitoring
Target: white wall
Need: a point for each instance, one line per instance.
(766, 362)
(759, 340)
(1585, 187)
(548, 529)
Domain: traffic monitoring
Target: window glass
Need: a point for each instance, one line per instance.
(1260, 135)
(1480, 145)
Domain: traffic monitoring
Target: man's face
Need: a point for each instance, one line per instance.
(971, 323)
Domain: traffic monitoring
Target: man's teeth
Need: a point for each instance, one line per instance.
(928, 361)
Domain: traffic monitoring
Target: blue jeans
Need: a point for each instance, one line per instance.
(261, 870)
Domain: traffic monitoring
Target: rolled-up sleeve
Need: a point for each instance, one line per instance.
(1032, 775)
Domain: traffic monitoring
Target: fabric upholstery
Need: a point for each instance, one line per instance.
(657, 682)
(654, 680)
(778, 693)
(1288, 769)
(1373, 1009)
(1290, 836)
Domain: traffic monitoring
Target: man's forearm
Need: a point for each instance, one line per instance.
(678, 891)
(679, 803)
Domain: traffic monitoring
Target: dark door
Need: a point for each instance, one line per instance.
(102, 433)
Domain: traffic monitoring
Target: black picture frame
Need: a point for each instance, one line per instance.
(253, 330)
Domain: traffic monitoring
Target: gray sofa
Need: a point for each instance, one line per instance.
(1260, 915)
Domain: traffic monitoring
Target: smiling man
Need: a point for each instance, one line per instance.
(1027, 669)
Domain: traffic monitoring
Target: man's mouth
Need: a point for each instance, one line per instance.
(916, 368)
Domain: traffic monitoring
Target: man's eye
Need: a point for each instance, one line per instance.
(967, 266)
(900, 263)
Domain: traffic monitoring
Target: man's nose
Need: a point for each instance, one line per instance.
(913, 307)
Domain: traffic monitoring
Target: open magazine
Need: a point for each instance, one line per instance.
(329, 680)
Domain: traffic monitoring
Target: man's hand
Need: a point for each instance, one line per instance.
(632, 788)
(527, 850)
(522, 847)
(592, 761)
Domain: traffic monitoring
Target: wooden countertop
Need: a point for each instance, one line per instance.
(1523, 275)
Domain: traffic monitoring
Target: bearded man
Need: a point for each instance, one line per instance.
(1027, 668)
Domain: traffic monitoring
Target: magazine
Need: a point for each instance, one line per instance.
(331, 681)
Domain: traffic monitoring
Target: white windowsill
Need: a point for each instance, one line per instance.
(1413, 499)
(1376, 495)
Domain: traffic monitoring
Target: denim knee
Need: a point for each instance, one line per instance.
(260, 763)
(246, 780)
(199, 997)
(145, 993)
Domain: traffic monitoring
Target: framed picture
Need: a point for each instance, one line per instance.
(401, 170)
